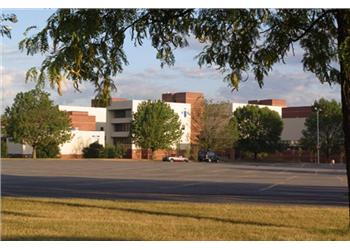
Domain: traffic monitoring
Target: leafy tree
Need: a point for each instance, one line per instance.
(5, 29)
(259, 129)
(218, 131)
(94, 150)
(88, 45)
(48, 150)
(34, 120)
(155, 126)
(331, 132)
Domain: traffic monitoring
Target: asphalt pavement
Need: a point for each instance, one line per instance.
(297, 183)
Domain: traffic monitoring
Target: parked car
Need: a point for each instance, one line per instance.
(175, 158)
(208, 156)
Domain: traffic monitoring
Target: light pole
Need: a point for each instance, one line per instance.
(318, 133)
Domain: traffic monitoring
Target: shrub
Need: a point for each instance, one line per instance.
(50, 150)
(94, 150)
(3, 148)
(119, 151)
(109, 151)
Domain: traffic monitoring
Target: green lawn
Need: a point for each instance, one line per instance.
(86, 219)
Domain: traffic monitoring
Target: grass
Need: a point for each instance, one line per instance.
(87, 219)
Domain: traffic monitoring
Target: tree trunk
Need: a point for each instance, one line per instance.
(345, 97)
(255, 155)
(153, 154)
(34, 152)
(343, 32)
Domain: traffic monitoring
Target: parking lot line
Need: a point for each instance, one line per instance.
(182, 185)
(276, 184)
(341, 179)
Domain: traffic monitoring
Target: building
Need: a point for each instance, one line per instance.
(119, 117)
(278, 109)
(88, 125)
(196, 102)
(270, 102)
(112, 125)
(293, 123)
(293, 117)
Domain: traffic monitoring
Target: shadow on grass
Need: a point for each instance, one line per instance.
(63, 238)
(6, 212)
(158, 213)
(337, 231)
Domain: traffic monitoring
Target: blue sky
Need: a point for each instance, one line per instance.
(143, 78)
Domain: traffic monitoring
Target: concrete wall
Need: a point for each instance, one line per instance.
(110, 120)
(18, 149)
(184, 112)
(292, 128)
(80, 140)
(196, 100)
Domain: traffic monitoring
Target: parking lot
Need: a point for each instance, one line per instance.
(199, 182)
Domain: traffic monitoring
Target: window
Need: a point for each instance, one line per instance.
(122, 127)
(122, 140)
(122, 113)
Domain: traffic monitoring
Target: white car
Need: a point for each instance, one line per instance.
(175, 158)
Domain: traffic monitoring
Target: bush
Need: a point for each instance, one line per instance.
(109, 152)
(94, 150)
(112, 151)
(50, 150)
(3, 149)
(119, 151)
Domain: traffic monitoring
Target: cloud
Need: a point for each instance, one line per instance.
(288, 82)
(198, 73)
(134, 86)
(298, 88)
(12, 82)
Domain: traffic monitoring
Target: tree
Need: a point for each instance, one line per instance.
(259, 129)
(34, 120)
(155, 126)
(218, 131)
(94, 150)
(5, 29)
(331, 132)
(48, 150)
(88, 45)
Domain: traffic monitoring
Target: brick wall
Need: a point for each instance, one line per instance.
(296, 112)
(270, 102)
(82, 121)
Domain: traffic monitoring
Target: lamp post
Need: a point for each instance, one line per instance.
(318, 133)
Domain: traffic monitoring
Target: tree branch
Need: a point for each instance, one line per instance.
(307, 30)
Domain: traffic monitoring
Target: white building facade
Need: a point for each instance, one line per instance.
(119, 117)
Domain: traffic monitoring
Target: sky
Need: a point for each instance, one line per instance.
(143, 78)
